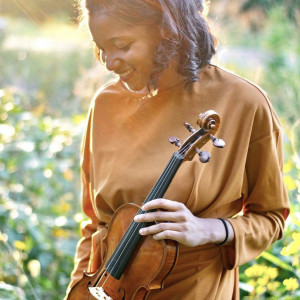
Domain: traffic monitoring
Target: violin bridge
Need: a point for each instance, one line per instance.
(99, 293)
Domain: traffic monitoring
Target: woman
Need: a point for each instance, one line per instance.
(161, 51)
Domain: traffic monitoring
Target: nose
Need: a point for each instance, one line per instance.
(112, 62)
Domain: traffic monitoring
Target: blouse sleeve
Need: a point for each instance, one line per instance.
(265, 205)
(88, 228)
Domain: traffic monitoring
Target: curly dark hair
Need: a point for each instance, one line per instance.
(183, 29)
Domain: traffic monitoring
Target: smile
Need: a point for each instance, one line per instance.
(125, 74)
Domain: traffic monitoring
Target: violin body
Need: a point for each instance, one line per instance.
(152, 261)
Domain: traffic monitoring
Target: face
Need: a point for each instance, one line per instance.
(127, 50)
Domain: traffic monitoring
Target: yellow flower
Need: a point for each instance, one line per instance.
(263, 281)
(65, 207)
(260, 290)
(273, 286)
(289, 182)
(20, 245)
(255, 271)
(252, 282)
(291, 284)
(291, 249)
(288, 166)
(60, 233)
(272, 272)
(296, 237)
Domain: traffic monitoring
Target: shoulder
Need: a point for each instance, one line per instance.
(248, 99)
(105, 101)
(240, 88)
(111, 90)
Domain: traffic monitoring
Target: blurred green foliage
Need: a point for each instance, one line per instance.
(41, 122)
(44, 94)
(38, 228)
(289, 6)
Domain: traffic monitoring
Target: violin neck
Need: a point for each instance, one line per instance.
(165, 178)
(123, 252)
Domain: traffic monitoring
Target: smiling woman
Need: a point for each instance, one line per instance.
(175, 44)
(127, 51)
(219, 215)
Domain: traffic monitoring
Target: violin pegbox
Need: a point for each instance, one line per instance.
(209, 123)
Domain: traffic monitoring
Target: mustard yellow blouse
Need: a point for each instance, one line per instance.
(125, 149)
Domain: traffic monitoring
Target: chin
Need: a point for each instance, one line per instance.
(135, 87)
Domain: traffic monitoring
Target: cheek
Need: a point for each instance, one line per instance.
(146, 63)
(144, 55)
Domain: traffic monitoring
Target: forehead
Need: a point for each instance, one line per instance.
(106, 26)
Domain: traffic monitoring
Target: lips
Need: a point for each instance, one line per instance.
(125, 76)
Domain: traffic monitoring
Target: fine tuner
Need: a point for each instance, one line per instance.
(210, 125)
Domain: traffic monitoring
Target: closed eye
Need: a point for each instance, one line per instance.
(123, 47)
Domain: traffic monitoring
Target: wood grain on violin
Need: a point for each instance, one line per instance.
(135, 265)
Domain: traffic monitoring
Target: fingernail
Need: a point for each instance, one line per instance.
(136, 218)
(141, 231)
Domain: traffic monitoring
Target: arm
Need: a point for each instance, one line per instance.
(265, 209)
(84, 246)
(265, 206)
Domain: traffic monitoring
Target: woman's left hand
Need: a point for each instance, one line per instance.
(173, 220)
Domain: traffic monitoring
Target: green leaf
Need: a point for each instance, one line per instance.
(277, 261)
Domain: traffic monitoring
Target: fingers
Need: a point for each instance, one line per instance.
(162, 231)
(159, 216)
(164, 211)
(159, 227)
(170, 235)
(172, 220)
(164, 204)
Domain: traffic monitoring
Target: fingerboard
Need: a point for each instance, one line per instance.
(124, 251)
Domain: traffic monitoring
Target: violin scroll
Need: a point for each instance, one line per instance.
(209, 123)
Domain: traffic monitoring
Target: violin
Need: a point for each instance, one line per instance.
(134, 264)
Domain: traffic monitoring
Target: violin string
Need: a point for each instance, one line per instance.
(155, 191)
(136, 225)
(104, 279)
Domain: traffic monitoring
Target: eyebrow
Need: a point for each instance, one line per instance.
(113, 39)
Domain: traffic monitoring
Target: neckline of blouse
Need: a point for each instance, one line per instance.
(143, 95)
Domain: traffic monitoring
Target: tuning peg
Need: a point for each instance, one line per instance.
(217, 142)
(204, 156)
(189, 127)
(174, 140)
